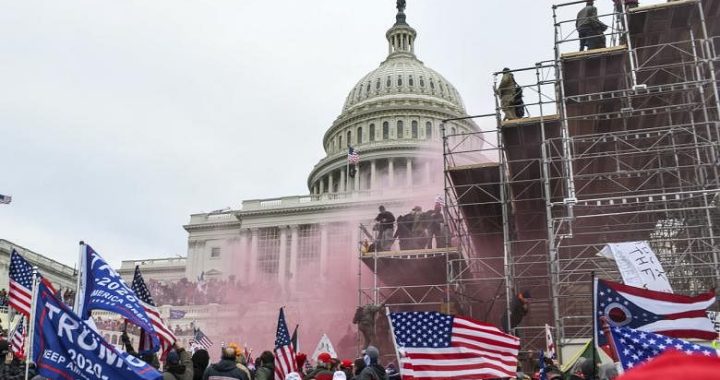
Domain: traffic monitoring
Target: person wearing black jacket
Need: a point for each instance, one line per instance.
(226, 368)
(373, 369)
(266, 370)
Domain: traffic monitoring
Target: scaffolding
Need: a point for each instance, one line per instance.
(621, 144)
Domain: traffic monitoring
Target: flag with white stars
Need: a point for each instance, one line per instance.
(674, 315)
(20, 295)
(433, 345)
(284, 351)
(166, 336)
(635, 347)
(17, 339)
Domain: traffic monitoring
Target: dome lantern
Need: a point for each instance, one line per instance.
(401, 37)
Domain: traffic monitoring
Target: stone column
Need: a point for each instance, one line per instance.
(343, 185)
(427, 172)
(293, 253)
(322, 185)
(356, 185)
(323, 248)
(330, 182)
(408, 172)
(243, 256)
(373, 185)
(282, 264)
(253, 255)
(391, 172)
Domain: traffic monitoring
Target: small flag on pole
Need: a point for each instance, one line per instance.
(17, 340)
(353, 156)
(20, 294)
(5, 199)
(202, 340)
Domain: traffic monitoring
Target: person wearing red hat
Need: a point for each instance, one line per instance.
(322, 369)
(346, 365)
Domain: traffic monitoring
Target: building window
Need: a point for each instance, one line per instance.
(414, 129)
(268, 251)
(308, 246)
(400, 133)
(349, 137)
(389, 82)
(386, 130)
(410, 81)
(453, 131)
(399, 81)
(367, 92)
(372, 132)
(377, 84)
(340, 144)
(428, 130)
(422, 82)
(359, 135)
(215, 252)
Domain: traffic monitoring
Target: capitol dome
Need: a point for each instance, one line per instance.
(394, 119)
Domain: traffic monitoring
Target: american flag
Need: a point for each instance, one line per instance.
(353, 156)
(17, 340)
(5, 199)
(20, 284)
(201, 340)
(284, 351)
(439, 346)
(635, 347)
(166, 336)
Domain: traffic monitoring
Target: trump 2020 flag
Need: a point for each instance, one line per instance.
(102, 288)
(66, 348)
(436, 346)
(673, 315)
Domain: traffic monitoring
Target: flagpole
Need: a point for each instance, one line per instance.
(596, 332)
(606, 329)
(31, 324)
(347, 172)
(392, 333)
(78, 281)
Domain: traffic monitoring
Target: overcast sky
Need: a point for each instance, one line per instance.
(119, 119)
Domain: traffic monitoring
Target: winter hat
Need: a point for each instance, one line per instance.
(293, 376)
(346, 363)
(339, 375)
(373, 353)
(173, 358)
(324, 358)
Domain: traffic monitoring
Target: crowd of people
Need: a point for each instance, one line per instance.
(185, 292)
(417, 229)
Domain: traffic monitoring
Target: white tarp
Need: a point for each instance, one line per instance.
(324, 345)
(638, 265)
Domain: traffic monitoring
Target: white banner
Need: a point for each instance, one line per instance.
(324, 345)
(638, 265)
(715, 318)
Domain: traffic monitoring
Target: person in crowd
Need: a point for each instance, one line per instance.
(511, 97)
(346, 365)
(436, 228)
(265, 367)
(226, 368)
(384, 226)
(606, 371)
(178, 365)
(200, 360)
(392, 373)
(149, 357)
(590, 28)
(323, 368)
(300, 360)
(339, 375)
(403, 231)
(373, 370)
(358, 366)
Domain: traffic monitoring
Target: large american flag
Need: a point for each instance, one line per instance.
(166, 336)
(284, 351)
(201, 340)
(20, 294)
(17, 340)
(439, 346)
(353, 156)
(635, 347)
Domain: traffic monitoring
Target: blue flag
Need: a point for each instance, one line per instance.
(65, 347)
(177, 314)
(102, 288)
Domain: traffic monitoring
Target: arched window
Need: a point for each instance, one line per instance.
(410, 81)
(428, 130)
(372, 132)
(453, 131)
(367, 91)
(340, 144)
(400, 133)
(389, 82)
(349, 137)
(422, 82)
(386, 130)
(377, 84)
(414, 129)
(399, 81)
(359, 135)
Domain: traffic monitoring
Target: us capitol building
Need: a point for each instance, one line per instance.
(301, 251)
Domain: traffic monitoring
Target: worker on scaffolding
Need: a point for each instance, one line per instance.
(511, 97)
(384, 227)
(590, 28)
